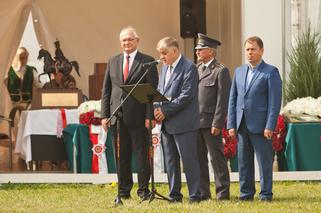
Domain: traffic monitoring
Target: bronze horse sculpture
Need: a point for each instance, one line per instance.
(49, 63)
(61, 63)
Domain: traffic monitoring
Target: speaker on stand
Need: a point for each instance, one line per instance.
(192, 19)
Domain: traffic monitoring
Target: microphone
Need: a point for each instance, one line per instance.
(153, 63)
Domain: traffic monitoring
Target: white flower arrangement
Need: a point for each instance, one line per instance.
(307, 105)
(89, 106)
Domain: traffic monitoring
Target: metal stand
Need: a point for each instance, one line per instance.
(153, 194)
(116, 149)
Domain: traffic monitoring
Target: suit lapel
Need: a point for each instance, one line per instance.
(119, 68)
(174, 74)
(202, 74)
(243, 77)
(255, 76)
(162, 79)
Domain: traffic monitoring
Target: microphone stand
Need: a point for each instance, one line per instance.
(153, 194)
(118, 116)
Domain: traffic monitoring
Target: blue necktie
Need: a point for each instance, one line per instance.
(168, 75)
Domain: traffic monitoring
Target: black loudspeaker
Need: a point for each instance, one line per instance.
(192, 18)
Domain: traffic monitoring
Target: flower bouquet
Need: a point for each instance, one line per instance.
(278, 138)
(230, 150)
(230, 144)
(306, 109)
(278, 142)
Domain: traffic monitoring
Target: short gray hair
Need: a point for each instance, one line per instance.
(128, 29)
(167, 42)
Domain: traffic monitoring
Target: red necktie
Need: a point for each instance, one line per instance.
(126, 69)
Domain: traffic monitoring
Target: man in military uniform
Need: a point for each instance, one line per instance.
(214, 86)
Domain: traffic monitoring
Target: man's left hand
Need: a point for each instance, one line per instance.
(159, 115)
(268, 134)
(215, 131)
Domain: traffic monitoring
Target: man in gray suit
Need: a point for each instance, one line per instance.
(213, 92)
(180, 119)
(127, 68)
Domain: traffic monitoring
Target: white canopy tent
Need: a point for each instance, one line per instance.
(88, 31)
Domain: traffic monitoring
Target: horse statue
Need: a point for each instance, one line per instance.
(49, 63)
(59, 64)
(63, 64)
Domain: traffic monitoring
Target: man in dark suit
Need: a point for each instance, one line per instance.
(213, 91)
(127, 68)
(254, 106)
(180, 119)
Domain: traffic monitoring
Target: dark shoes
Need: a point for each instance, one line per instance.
(192, 201)
(246, 198)
(265, 199)
(223, 198)
(118, 199)
(205, 197)
(144, 195)
(176, 200)
(125, 197)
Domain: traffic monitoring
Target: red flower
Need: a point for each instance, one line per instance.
(279, 134)
(230, 145)
(88, 119)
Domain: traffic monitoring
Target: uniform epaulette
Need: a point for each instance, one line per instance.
(220, 65)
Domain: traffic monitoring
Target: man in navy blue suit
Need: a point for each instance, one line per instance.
(180, 119)
(254, 106)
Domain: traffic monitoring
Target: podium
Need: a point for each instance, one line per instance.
(144, 93)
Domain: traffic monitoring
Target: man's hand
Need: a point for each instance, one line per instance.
(268, 134)
(147, 123)
(158, 114)
(105, 124)
(215, 131)
(232, 133)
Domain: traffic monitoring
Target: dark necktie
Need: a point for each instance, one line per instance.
(203, 68)
(126, 69)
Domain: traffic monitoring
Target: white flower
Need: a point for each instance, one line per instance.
(307, 105)
(90, 106)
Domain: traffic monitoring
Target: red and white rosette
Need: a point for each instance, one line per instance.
(98, 138)
(158, 153)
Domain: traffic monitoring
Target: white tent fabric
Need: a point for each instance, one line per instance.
(88, 31)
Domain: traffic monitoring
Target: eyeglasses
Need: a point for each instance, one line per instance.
(128, 40)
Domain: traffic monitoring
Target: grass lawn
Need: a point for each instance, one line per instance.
(288, 197)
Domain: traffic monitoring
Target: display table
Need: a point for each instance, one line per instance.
(39, 122)
(76, 136)
(303, 147)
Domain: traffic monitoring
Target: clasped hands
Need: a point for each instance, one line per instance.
(159, 115)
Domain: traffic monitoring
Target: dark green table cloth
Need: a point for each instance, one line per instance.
(78, 134)
(303, 147)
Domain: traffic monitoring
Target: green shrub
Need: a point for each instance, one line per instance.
(305, 63)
